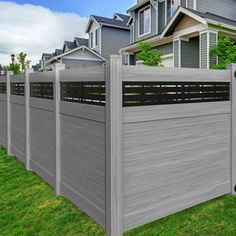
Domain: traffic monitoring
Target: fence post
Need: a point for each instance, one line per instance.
(9, 73)
(114, 157)
(233, 127)
(57, 68)
(27, 116)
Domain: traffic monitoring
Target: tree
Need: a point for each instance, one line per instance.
(15, 67)
(24, 64)
(225, 50)
(149, 56)
(18, 66)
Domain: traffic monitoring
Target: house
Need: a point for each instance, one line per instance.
(77, 57)
(184, 30)
(45, 57)
(108, 35)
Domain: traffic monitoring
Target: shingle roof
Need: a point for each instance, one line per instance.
(70, 45)
(125, 18)
(211, 16)
(81, 41)
(110, 22)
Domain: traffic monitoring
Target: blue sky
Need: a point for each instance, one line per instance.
(83, 7)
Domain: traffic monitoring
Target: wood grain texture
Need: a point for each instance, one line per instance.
(83, 74)
(173, 164)
(233, 128)
(47, 76)
(3, 120)
(152, 113)
(18, 134)
(42, 150)
(144, 73)
(18, 78)
(114, 151)
(18, 100)
(85, 111)
(83, 164)
(42, 104)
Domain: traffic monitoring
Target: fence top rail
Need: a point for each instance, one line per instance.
(3, 79)
(144, 73)
(95, 74)
(38, 77)
(17, 78)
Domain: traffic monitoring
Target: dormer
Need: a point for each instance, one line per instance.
(149, 17)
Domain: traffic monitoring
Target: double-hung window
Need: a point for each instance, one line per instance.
(145, 21)
(94, 39)
(91, 40)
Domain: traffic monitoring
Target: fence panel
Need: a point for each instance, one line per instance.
(176, 138)
(3, 109)
(82, 115)
(42, 125)
(18, 118)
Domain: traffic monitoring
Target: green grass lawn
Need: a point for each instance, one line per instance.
(28, 206)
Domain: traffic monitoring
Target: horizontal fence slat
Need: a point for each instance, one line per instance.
(47, 76)
(17, 78)
(158, 93)
(83, 74)
(144, 73)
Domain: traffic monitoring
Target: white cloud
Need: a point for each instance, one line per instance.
(35, 29)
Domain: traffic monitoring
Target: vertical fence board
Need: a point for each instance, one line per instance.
(233, 127)
(114, 157)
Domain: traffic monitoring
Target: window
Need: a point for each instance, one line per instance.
(91, 39)
(94, 39)
(171, 8)
(145, 21)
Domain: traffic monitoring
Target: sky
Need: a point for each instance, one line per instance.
(37, 26)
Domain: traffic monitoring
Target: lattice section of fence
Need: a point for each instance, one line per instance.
(3, 88)
(158, 93)
(41, 90)
(18, 89)
(83, 92)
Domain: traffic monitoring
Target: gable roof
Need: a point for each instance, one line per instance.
(138, 5)
(123, 17)
(81, 41)
(105, 21)
(58, 52)
(204, 18)
(83, 47)
(70, 45)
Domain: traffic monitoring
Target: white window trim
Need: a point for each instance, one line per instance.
(94, 40)
(150, 27)
(195, 5)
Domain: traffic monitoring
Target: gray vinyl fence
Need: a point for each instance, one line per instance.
(126, 144)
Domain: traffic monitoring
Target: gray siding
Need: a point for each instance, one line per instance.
(190, 4)
(190, 53)
(3, 120)
(204, 52)
(213, 42)
(83, 157)
(153, 28)
(224, 8)
(183, 3)
(42, 137)
(161, 16)
(166, 48)
(113, 40)
(172, 162)
(176, 53)
(73, 63)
